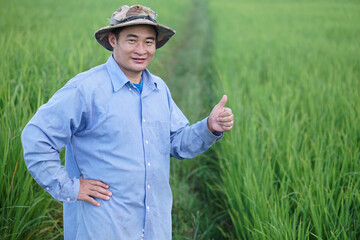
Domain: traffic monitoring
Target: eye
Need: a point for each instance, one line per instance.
(131, 40)
(149, 42)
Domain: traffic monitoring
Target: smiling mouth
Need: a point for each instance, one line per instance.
(139, 60)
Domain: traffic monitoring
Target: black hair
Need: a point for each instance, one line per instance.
(116, 32)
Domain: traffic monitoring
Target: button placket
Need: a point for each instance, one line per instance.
(147, 157)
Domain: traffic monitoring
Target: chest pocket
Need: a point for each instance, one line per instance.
(162, 131)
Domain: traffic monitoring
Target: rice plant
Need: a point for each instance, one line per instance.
(290, 168)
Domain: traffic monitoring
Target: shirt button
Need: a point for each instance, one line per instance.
(47, 188)
(147, 208)
(129, 89)
(148, 186)
(143, 230)
(144, 120)
(142, 235)
(148, 164)
(68, 199)
(147, 142)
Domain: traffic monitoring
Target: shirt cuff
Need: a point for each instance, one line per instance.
(68, 192)
(206, 135)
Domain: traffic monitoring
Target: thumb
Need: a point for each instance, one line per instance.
(223, 101)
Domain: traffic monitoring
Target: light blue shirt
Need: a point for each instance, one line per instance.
(115, 134)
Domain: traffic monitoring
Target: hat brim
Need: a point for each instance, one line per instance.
(164, 32)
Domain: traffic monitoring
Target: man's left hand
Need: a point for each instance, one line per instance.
(221, 119)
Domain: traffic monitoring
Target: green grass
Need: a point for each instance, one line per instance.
(290, 167)
(190, 80)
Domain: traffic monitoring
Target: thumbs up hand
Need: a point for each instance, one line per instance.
(221, 119)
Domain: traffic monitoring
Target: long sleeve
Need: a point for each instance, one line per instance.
(189, 141)
(46, 134)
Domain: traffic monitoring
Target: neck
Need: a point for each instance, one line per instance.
(135, 79)
(133, 76)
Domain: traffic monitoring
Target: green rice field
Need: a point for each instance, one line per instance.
(289, 169)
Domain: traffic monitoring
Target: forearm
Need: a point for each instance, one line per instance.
(193, 140)
(44, 165)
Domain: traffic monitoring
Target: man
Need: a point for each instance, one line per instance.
(120, 126)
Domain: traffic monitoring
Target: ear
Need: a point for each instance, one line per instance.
(112, 39)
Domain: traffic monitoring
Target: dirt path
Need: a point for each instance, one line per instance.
(189, 66)
(190, 81)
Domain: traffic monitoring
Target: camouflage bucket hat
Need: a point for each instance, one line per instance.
(134, 15)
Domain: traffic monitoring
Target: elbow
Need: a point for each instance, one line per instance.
(25, 142)
(30, 147)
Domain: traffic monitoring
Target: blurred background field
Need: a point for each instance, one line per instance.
(291, 69)
(290, 169)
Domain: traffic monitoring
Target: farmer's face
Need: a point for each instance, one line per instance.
(134, 49)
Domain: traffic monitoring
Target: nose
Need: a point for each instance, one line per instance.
(140, 49)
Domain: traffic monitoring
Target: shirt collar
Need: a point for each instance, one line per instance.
(119, 79)
(150, 82)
